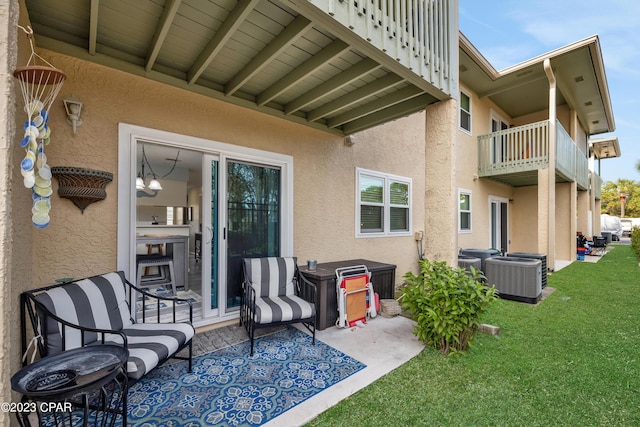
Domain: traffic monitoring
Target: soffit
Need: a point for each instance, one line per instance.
(524, 89)
(260, 54)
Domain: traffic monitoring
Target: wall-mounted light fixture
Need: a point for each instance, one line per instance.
(349, 140)
(73, 108)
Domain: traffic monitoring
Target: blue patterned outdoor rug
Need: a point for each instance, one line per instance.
(229, 388)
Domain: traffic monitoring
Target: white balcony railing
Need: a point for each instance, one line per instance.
(518, 149)
(597, 186)
(422, 35)
(525, 148)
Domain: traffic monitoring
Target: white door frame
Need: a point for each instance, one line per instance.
(498, 231)
(128, 137)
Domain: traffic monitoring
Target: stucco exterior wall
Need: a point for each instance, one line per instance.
(524, 231)
(481, 189)
(15, 200)
(77, 245)
(565, 221)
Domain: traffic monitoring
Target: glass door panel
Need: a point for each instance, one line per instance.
(210, 240)
(253, 219)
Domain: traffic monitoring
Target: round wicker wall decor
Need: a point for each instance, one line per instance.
(80, 185)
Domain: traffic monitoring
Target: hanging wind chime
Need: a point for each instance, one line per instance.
(40, 85)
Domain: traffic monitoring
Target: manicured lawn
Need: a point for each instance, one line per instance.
(573, 360)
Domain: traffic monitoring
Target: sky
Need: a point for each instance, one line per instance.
(508, 32)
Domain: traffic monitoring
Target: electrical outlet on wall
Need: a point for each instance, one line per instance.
(418, 235)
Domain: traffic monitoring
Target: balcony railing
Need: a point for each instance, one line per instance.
(597, 186)
(420, 34)
(519, 149)
(525, 148)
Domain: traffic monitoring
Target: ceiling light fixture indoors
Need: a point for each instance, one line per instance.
(154, 184)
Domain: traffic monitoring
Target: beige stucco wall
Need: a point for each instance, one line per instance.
(524, 230)
(76, 244)
(565, 221)
(15, 201)
(481, 189)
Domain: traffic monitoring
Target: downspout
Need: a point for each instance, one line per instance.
(551, 220)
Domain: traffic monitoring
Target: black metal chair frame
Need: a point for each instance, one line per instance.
(303, 288)
(599, 245)
(37, 314)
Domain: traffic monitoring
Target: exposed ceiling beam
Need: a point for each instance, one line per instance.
(166, 19)
(93, 26)
(126, 66)
(373, 106)
(224, 33)
(383, 116)
(352, 97)
(345, 77)
(290, 34)
(329, 52)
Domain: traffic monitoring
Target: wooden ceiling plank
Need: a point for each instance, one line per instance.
(93, 26)
(332, 50)
(283, 40)
(402, 109)
(374, 106)
(354, 96)
(224, 33)
(347, 76)
(166, 19)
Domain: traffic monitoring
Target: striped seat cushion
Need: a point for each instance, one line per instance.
(272, 276)
(282, 309)
(100, 302)
(151, 343)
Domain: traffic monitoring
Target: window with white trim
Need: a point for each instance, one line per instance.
(465, 112)
(383, 204)
(464, 211)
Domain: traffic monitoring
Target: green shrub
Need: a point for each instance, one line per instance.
(635, 239)
(446, 303)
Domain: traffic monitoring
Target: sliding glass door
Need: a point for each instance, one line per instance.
(245, 223)
(253, 219)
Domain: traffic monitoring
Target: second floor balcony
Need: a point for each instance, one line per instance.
(514, 156)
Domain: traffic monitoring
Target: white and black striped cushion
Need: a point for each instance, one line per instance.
(151, 343)
(272, 276)
(276, 301)
(95, 302)
(282, 309)
(100, 302)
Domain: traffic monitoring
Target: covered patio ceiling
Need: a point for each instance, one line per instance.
(260, 54)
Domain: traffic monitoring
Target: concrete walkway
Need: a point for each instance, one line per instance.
(383, 345)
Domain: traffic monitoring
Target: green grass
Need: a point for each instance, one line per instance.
(573, 360)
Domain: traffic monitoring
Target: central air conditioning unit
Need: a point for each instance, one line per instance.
(466, 261)
(518, 279)
(483, 254)
(541, 257)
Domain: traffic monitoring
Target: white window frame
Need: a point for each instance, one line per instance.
(462, 191)
(387, 179)
(460, 110)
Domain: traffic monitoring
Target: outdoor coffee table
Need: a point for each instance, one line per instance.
(90, 382)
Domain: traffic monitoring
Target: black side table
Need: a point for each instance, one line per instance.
(88, 382)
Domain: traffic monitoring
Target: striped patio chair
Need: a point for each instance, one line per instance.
(274, 292)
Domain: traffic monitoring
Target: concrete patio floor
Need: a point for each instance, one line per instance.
(383, 345)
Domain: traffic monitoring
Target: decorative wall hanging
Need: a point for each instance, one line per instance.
(81, 186)
(40, 85)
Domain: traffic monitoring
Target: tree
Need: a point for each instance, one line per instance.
(611, 198)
